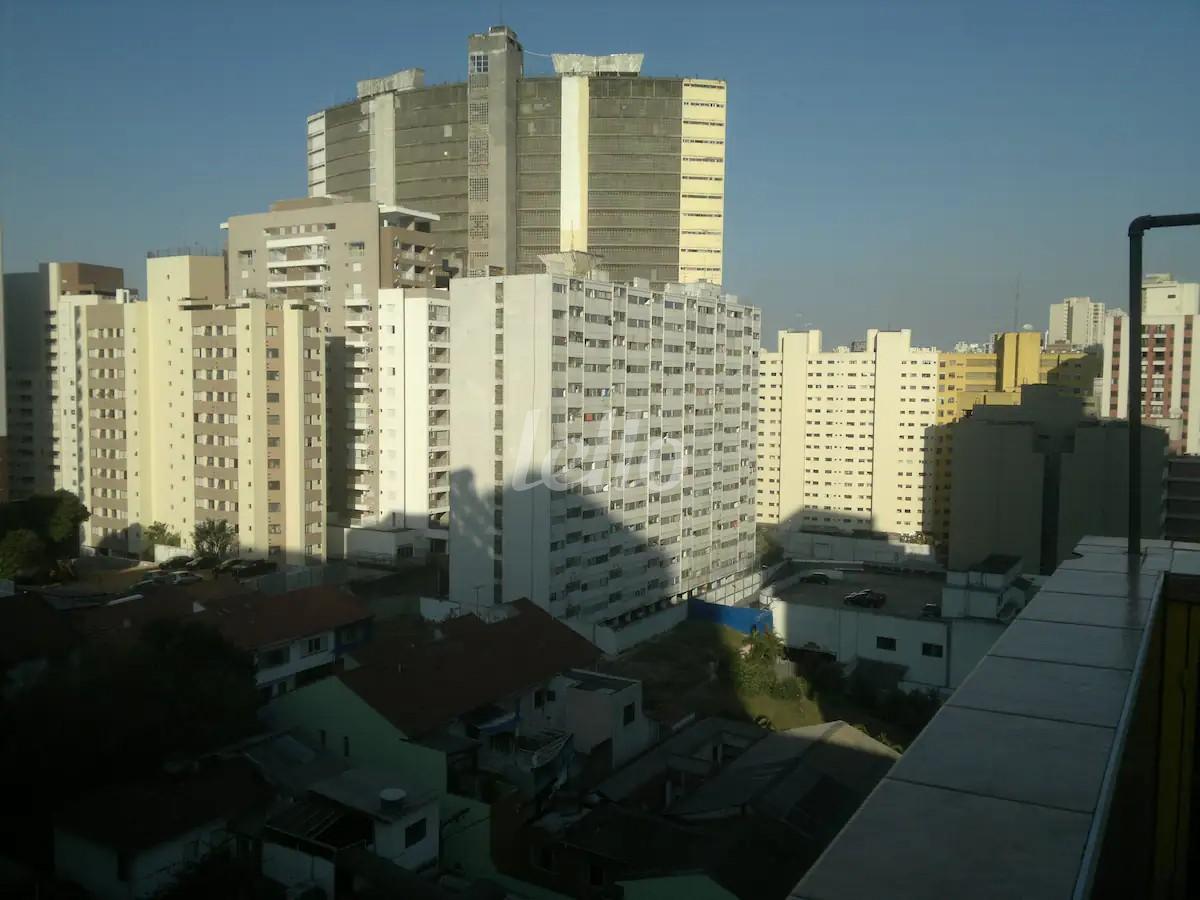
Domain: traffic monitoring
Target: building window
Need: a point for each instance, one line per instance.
(885, 643)
(415, 833)
(477, 64)
(477, 188)
(934, 650)
(539, 699)
(314, 645)
(630, 713)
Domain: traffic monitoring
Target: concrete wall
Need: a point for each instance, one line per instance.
(597, 716)
(330, 707)
(295, 868)
(850, 635)
(94, 866)
(810, 546)
(390, 840)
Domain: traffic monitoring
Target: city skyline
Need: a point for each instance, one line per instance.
(872, 248)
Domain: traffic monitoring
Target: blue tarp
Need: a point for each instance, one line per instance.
(745, 619)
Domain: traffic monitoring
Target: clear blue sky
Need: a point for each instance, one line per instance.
(890, 162)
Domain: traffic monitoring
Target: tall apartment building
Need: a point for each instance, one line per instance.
(1169, 370)
(596, 157)
(1031, 479)
(31, 362)
(602, 463)
(186, 407)
(1076, 322)
(854, 427)
(967, 380)
(768, 462)
(338, 255)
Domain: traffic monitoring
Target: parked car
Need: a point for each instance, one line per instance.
(202, 563)
(867, 599)
(148, 583)
(253, 568)
(175, 562)
(184, 578)
(229, 564)
(814, 578)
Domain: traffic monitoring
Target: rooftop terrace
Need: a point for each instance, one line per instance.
(1063, 766)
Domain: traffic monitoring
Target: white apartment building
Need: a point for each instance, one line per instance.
(414, 430)
(770, 429)
(186, 407)
(1170, 375)
(855, 432)
(1077, 322)
(602, 463)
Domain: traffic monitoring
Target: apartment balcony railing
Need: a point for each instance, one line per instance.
(1065, 764)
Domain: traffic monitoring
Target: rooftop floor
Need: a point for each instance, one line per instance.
(1006, 791)
(906, 594)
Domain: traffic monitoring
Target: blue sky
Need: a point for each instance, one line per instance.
(891, 163)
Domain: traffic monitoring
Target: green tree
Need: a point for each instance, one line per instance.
(161, 533)
(120, 712)
(766, 547)
(22, 552)
(214, 537)
(66, 515)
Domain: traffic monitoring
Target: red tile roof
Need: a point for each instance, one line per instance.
(421, 688)
(248, 619)
(146, 813)
(30, 629)
(252, 621)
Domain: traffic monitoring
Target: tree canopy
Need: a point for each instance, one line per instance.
(214, 537)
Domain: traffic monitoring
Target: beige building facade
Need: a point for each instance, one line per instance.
(1170, 374)
(595, 157)
(845, 433)
(31, 364)
(337, 256)
(187, 406)
(968, 380)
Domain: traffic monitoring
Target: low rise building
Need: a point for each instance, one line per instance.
(351, 824)
(294, 638)
(131, 841)
(926, 633)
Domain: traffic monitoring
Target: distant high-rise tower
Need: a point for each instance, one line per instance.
(1170, 375)
(1076, 322)
(596, 157)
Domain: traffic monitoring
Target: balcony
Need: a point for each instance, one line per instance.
(359, 322)
(295, 279)
(1064, 766)
(353, 302)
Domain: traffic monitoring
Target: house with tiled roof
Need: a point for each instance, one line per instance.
(294, 637)
(488, 715)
